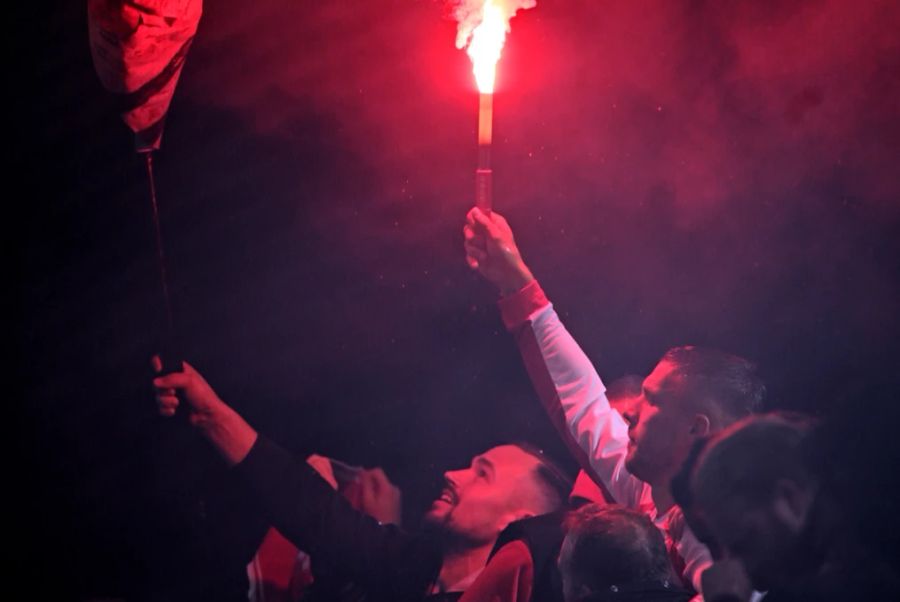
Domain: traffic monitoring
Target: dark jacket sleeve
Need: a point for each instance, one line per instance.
(386, 561)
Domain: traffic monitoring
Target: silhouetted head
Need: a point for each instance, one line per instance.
(608, 548)
(753, 491)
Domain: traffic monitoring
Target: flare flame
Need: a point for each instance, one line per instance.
(483, 25)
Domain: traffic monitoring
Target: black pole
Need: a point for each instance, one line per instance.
(170, 357)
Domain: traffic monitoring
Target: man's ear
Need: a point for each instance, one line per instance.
(791, 502)
(700, 425)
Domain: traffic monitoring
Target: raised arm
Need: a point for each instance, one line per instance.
(563, 377)
(388, 562)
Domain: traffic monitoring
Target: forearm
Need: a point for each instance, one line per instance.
(227, 431)
(348, 543)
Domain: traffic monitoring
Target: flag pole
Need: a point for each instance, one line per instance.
(170, 357)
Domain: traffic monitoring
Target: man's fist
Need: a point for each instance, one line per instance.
(491, 249)
(194, 390)
(379, 498)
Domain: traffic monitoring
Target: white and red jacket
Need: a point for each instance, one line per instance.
(575, 398)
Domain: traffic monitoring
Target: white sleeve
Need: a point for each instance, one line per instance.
(601, 432)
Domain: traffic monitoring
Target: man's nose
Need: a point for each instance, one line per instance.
(452, 477)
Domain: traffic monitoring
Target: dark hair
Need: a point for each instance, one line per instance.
(551, 478)
(746, 460)
(719, 381)
(614, 545)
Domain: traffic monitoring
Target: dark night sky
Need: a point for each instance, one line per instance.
(718, 173)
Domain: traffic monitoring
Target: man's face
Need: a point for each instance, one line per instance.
(659, 430)
(479, 501)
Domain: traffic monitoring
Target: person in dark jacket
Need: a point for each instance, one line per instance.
(502, 485)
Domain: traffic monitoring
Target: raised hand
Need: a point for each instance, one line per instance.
(201, 399)
(491, 249)
(379, 498)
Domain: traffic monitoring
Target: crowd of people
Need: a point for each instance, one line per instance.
(686, 489)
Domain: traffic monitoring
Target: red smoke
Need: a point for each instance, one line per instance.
(708, 161)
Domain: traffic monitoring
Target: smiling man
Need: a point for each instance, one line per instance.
(502, 485)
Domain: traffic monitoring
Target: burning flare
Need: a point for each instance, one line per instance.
(483, 25)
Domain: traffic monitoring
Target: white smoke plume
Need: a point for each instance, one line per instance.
(469, 13)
